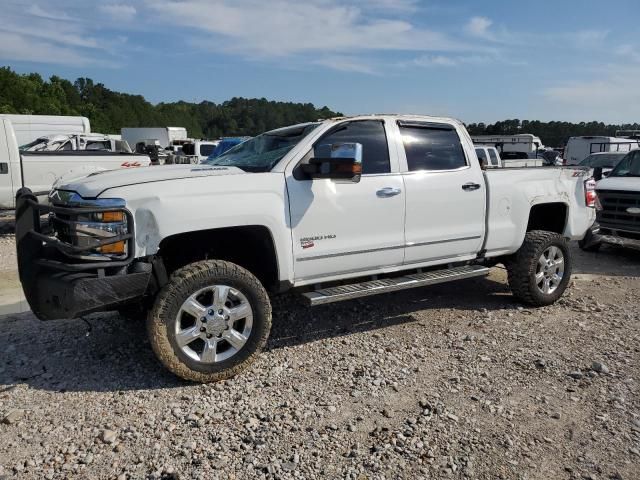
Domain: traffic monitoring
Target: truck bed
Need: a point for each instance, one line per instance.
(513, 191)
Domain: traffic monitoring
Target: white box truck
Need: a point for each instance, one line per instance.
(29, 127)
(164, 135)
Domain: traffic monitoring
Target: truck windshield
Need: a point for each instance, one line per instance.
(261, 153)
(629, 166)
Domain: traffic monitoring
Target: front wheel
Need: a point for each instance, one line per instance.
(540, 270)
(210, 321)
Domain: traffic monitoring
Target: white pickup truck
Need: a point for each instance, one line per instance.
(333, 210)
(618, 207)
(40, 170)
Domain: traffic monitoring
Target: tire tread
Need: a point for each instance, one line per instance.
(168, 296)
(520, 265)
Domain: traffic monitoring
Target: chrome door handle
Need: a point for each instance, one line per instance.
(388, 192)
(468, 187)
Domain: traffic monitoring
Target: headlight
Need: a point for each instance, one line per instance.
(94, 222)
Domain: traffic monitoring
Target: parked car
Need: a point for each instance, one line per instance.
(602, 163)
(196, 151)
(39, 170)
(488, 157)
(331, 210)
(226, 144)
(618, 207)
(72, 142)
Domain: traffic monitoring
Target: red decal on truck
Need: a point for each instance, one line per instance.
(131, 164)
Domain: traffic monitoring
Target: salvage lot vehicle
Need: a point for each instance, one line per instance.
(488, 157)
(618, 207)
(602, 162)
(72, 142)
(360, 205)
(40, 170)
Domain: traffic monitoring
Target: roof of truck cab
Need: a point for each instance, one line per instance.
(394, 115)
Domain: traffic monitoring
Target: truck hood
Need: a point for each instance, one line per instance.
(92, 185)
(631, 184)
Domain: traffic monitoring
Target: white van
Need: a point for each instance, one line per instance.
(29, 127)
(579, 148)
(39, 170)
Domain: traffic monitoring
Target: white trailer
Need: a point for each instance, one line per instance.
(165, 136)
(522, 145)
(579, 148)
(29, 127)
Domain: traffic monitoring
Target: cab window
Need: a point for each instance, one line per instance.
(432, 146)
(493, 157)
(372, 135)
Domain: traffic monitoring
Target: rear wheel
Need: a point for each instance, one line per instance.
(210, 321)
(540, 270)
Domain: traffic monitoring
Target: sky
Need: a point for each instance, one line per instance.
(479, 61)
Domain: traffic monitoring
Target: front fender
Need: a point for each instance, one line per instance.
(164, 209)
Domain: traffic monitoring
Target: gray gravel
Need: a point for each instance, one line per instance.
(453, 381)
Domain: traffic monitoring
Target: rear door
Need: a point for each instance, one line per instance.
(339, 227)
(446, 195)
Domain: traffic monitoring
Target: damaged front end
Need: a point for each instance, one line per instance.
(81, 258)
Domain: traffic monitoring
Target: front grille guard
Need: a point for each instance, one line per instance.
(30, 240)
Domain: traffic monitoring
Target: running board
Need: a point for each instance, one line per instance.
(373, 287)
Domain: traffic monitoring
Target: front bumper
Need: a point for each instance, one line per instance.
(612, 237)
(57, 285)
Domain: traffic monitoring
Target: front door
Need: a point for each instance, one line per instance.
(340, 227)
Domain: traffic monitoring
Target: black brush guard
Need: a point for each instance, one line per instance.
(55, 284)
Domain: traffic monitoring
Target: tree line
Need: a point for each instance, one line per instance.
(108, 111)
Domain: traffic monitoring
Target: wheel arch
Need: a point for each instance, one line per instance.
(250, 246)
(550, 217)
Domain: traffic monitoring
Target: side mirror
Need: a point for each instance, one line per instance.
(336, 160)
(606, 174)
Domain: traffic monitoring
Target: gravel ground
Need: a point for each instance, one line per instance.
(452, 381)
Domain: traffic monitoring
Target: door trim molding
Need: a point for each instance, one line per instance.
(383, 249)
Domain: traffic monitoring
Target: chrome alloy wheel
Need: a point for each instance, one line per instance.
(550, 270)
(213, 324)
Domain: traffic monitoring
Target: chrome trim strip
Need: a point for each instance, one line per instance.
(344, 254)
(383, 249)
(462, 239)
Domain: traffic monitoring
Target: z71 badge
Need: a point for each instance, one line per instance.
(309, 242)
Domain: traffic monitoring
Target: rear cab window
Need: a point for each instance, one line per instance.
(432, 146)
(482, 156)
(207, 149)
(493, 157)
